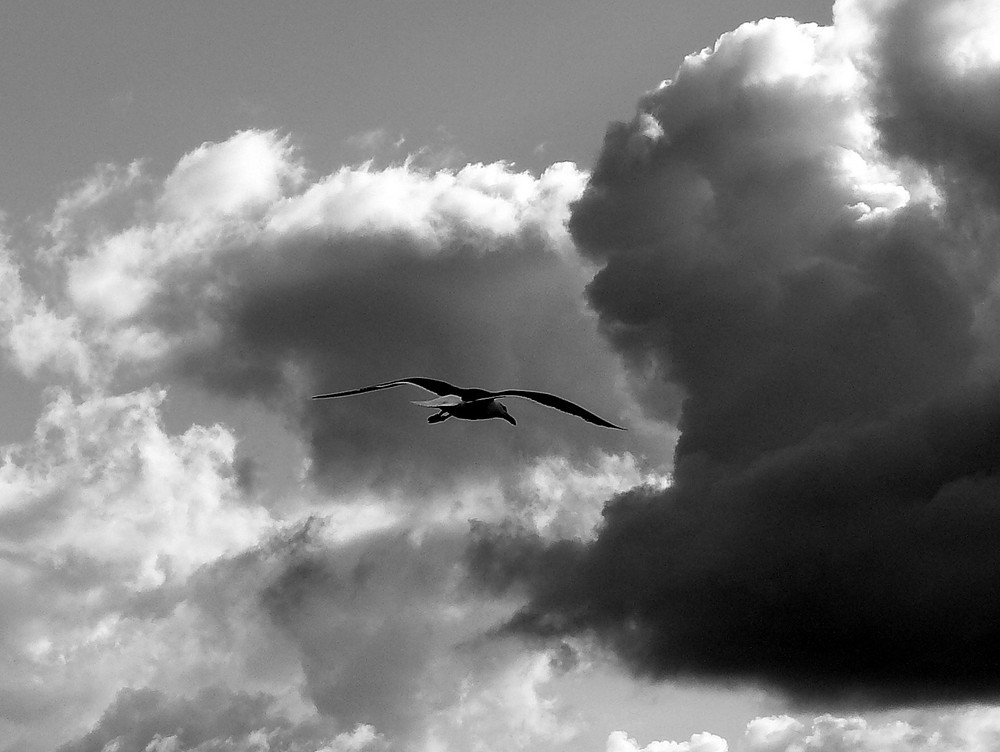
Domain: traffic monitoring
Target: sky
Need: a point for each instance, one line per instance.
(761, 235)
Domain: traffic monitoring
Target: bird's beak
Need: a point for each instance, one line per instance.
(510, 419)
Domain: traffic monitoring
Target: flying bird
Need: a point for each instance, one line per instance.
(476, 404)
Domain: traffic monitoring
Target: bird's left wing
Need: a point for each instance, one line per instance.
(551, 400)
(434, 386)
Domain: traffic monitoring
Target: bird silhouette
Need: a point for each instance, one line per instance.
(476, 404)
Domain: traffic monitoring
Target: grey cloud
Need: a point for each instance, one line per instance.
(86, 570)
(854, 567)
(240, 277)
(387, 634)
(213, 720)
(352, 312)
(961, 730)
(832, 530)
(370, 621)
(935, 87)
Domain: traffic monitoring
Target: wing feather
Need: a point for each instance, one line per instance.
(559, 403)
(434, 386)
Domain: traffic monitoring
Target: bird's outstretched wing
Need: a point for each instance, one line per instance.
(551, 400)
(434, 386)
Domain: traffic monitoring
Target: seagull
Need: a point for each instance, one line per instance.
(475, 404)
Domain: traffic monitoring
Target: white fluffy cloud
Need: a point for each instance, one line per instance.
(133, 557)
(140, 575)
(975, 729)
(562, 499)
(102, 479)
(160, 570)
(619, 741)
(214, 720)
(103, 513)
(232, 211)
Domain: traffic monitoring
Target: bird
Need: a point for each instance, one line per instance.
(475, 404)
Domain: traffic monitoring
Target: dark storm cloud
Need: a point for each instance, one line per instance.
(833, 527)
(936, 87)
(858, 564)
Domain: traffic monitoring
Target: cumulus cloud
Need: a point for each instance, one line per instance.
(73, 488)
(379, 631)
(242, 275)
(136, 559)
(213, 720)
(134, 563)
(933, 67)
(619, 741)
(105, 514)
(799, 265)
(967, 730)
(791, 260)
(388, 635)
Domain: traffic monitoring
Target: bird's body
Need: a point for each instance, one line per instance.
(475, 404)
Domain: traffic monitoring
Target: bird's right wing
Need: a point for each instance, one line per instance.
(559, 403)
(434, 386)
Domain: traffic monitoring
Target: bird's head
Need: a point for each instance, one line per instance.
(502, 413)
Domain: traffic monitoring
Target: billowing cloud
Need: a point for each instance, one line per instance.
(933, 67)
(239, 274)
(105, 515)
(790, 249)
(142, 580)
(136, 561)
(389, 635)
(619, 741)
(214, 720)
(801, 265)
(969, 730)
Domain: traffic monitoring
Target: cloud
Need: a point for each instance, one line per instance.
(213, 720)
(134, 563)
(388, 635)
(240, 274)
(788, 257)
(806, 292)
(378, 631)
(619, 741)
(965, 730)
(105, 517)
(136, 560)
(560, 499)
(933, 72)
(72, 489)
